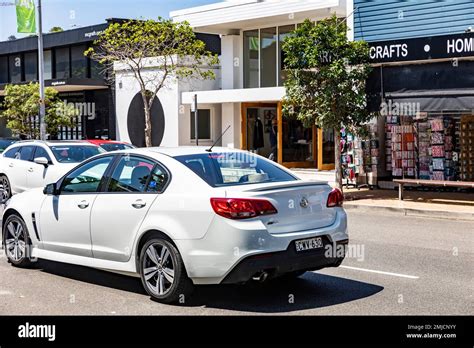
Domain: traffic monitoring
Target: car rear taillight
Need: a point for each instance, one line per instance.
(242, 208)
(335, 198)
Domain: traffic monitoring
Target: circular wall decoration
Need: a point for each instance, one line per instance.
(136, 122)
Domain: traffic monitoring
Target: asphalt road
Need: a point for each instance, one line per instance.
(398, 265)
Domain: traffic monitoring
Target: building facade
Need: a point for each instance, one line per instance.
(78, 79)
(248, 95)
(83, 83)
(421, 87)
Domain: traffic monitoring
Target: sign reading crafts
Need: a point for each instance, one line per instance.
(435, 47)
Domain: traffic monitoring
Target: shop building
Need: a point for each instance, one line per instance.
(78, 79)
(248, 92)
(421, 88)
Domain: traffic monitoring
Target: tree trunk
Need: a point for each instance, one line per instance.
(337, 148)
(148, 142)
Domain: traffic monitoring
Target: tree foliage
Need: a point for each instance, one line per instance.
(326, 76)
(21, 107)
(171, 48)
(56, 30)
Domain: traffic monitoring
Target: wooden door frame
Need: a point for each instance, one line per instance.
(321, 165)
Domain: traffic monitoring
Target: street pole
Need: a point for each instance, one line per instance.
(196, 133)
(42, 108)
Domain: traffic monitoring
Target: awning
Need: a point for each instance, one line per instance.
(435, 100)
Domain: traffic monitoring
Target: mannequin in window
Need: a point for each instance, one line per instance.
(258, 141)
(274, 140)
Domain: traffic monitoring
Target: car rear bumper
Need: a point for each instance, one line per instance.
(279, 263)
(229, 243)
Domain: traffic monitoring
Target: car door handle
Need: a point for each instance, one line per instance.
(10, 165)
(83, 204)
(31, 170)
(138, 204)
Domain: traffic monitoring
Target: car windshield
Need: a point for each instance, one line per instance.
(4, 144)
(74, 153)
(234, 168)
(115, 147)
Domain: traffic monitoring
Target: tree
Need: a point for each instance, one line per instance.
(21, 107)
(11, 38)
(172, 49)
(326, 76)
(56, 30)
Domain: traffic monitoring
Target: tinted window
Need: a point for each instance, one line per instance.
(26, 153)
(41, 152)
(74, 153)
(204, 124)
(3, 69)
(62, 63)
(131, 175)
(4, 144)
(78, 61)
(234, 168)
(15, 68)
(115, 147)
(87, 177)
(31, 66)
(11, 153)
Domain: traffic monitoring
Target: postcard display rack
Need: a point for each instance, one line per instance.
(467, 148)
(422, 148)
(359, 157)
(403, 162)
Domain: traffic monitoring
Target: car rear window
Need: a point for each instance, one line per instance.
(74, 153)
(234, 168)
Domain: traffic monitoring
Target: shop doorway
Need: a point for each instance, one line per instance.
(266, 132)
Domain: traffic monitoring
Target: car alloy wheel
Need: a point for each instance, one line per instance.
(158, 269)
(16, 241)
(6, 192)
(163, 273)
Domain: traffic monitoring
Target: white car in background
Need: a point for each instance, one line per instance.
(178, 217)
(30, 164)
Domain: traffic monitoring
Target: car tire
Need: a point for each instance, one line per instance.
(7, 189)
(163, 273)
(16, 242)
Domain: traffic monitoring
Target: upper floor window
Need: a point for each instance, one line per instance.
(4, 69)
(62, 63)
(78, 61)
(15, 63)
(31, 66)
(264, 57)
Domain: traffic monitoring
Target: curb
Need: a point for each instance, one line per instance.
(440, 214)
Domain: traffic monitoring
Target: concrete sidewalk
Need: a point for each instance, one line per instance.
(445, 205)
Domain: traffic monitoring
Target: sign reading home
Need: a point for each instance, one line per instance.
(435, 47)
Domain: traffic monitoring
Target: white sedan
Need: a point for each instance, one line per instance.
(177, 217)
(32, 163)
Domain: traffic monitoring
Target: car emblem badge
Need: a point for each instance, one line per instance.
(304, 202)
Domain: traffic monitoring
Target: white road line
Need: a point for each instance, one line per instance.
(381, 272)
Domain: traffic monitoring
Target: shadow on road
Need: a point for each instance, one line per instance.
(312, 290)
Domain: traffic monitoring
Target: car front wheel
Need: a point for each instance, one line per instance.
(162, 272)
(6, 188)
(17, 242)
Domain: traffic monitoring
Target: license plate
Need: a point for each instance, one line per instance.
(309, 244)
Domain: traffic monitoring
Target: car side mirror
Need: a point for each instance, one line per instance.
(50, 190)
(42, 160)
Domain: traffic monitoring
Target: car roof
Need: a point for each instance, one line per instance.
(102, 141)
(54, 142)
(181, 151)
